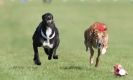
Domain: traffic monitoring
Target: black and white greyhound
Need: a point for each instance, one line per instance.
(46, 36)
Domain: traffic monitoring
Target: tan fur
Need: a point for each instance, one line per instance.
(92, 35)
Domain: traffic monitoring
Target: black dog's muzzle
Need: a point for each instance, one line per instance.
(49, 21)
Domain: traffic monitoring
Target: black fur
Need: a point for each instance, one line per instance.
(38, 39)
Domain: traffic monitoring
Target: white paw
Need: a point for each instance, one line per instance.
(103, 51)
(91, 62)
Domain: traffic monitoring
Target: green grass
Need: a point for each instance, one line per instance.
(18, 22)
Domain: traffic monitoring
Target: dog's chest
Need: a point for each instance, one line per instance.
(49, 35)
(48, 32)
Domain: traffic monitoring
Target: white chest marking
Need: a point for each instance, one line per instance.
(48, 33)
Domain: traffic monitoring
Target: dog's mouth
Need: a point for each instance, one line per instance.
(98, 43)
(49, 21)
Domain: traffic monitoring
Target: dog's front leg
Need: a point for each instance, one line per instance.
(36, 55)
(50, 54)
(98, 56)
(91, 54)
(55, 56)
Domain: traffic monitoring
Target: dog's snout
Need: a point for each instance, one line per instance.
(50, 20)
(98, 45)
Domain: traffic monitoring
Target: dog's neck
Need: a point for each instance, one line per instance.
(48, 25)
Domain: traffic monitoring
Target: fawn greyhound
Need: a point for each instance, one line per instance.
(96, 36)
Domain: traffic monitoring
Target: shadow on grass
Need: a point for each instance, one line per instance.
(72, 68)
(24, 67)
(75, 67)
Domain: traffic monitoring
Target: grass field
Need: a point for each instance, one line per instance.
(18, 22)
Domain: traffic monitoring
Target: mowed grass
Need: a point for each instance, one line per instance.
(19, 21)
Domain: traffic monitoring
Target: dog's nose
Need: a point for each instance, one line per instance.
(98, 45)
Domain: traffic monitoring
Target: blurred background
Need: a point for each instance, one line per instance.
(19, 19)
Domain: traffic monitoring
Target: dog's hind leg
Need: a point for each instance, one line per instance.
(86, 45)
(91, 55)
(36, 55)
(97, 59)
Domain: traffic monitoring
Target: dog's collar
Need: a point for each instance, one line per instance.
(47, 37)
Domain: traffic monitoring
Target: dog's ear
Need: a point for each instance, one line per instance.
(43, 17)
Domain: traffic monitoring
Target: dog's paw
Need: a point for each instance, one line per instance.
(55, 57)
(96, 65)
(49, 57)
(37, 62)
